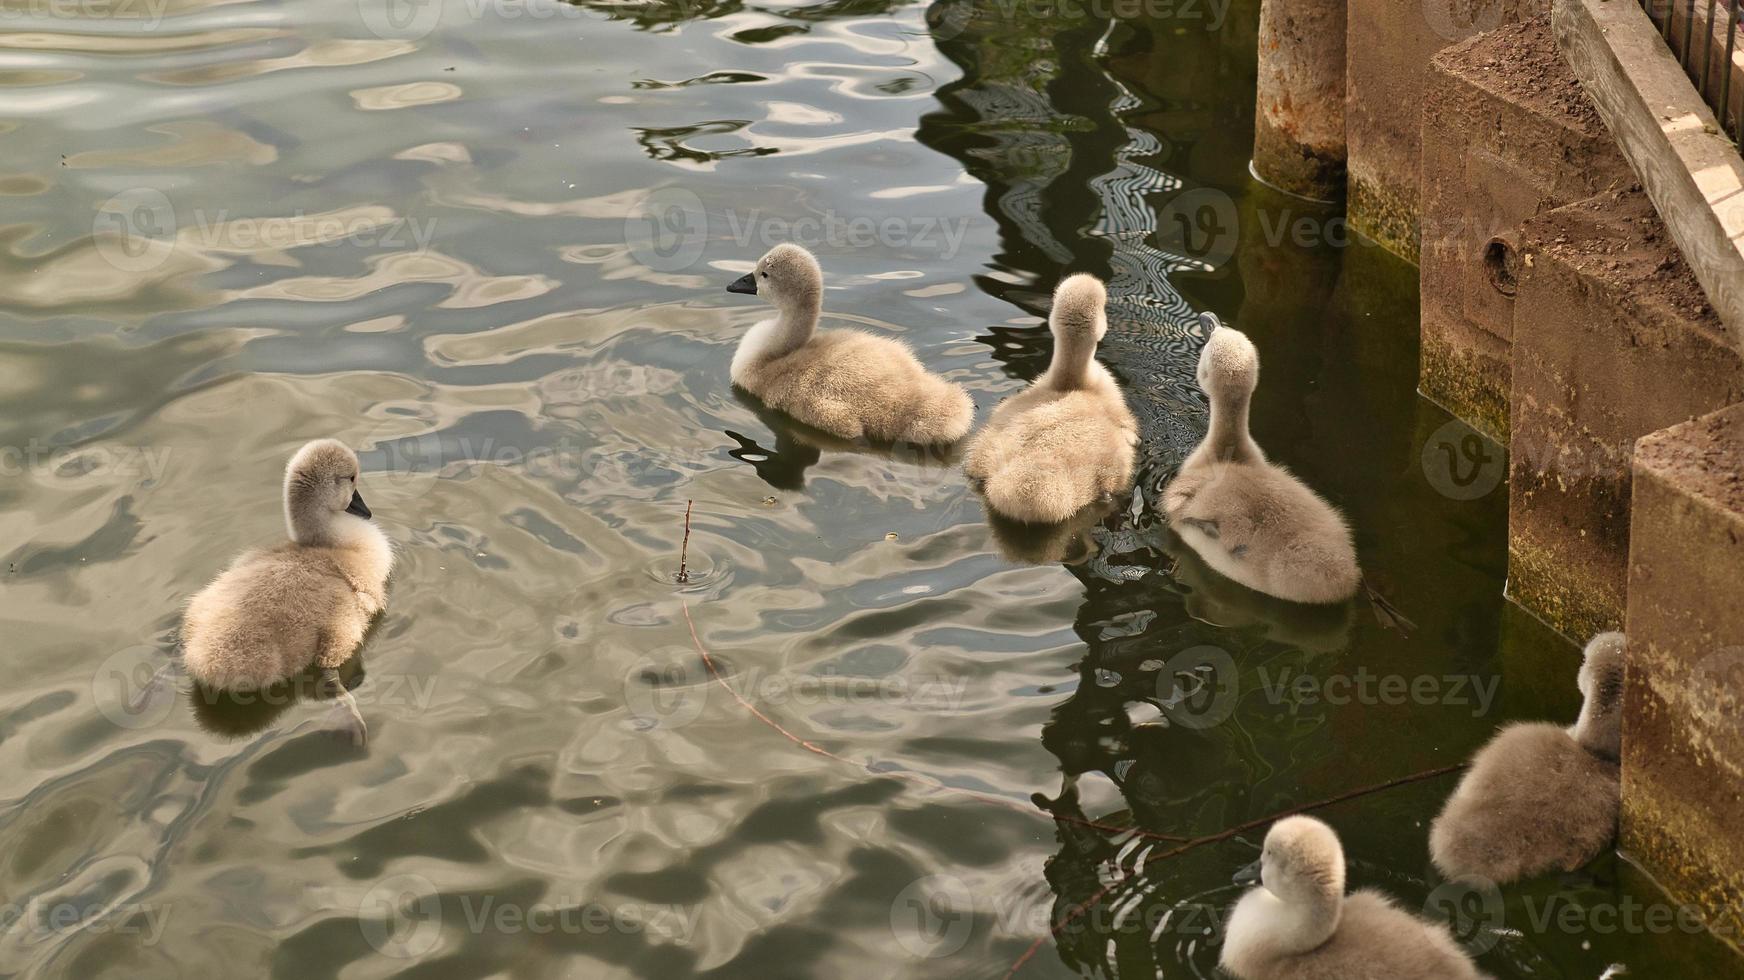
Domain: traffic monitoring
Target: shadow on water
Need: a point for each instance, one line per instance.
(235, 715)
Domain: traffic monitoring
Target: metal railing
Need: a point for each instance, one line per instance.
(1695, 40)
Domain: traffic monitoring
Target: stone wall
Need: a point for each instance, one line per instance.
(1388, 46)
(1559, 318)
(1613, 340)
(1507, 134)
(1683, 720)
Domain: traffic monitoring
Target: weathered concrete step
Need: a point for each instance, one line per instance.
(1683, 721)
(1613, 340)
(1507, 133)
(1389, 45)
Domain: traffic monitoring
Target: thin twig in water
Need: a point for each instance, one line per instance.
(912, 777)
(683, 575)
(1221, 835)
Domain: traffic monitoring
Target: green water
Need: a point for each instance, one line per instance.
(231, 227)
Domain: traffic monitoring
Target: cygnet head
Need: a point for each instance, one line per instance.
(787, 276)
(1229, 366)
(1302, 861)
(1600, 728)
(321, 498)
(1080, 309)
(1079, 319)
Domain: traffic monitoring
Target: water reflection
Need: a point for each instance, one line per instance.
(537, 400)
(235, 715)
(798, 447)
(1069, 542)
(1041, 123)
(1214, 599)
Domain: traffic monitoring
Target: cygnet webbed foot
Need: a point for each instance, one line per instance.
(344, 718)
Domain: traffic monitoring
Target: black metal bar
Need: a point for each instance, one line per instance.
(1666, 27)
(1689, 32)
(1708, 54)
(1726, 77)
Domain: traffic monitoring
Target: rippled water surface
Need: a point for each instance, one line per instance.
(485, 243)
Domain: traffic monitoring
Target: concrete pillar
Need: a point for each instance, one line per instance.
(1507, 133)
(1683, 704)
(1613, 340)
(1299, 115)
(1388, 46)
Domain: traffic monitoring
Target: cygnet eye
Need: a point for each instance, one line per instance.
(765, 275)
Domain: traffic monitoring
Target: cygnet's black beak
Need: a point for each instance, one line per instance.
(746, 284)
(1209, 322)
(1249, 875)
(358, 507)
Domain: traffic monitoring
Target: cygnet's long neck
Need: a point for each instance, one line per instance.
(1266, 926)
(1074, 351)
(312, 528)
(1308, 922)
(1599, 729)
(796, 319)
(1229, 439)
